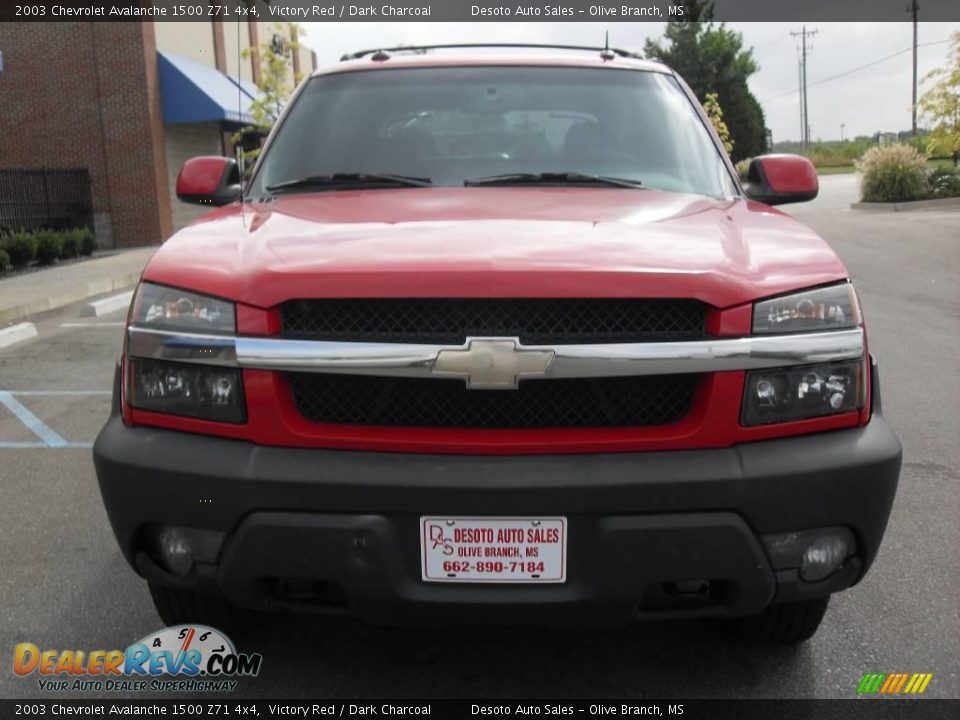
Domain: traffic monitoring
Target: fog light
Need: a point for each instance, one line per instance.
(816, 554)
(825, 553)
(176, 552)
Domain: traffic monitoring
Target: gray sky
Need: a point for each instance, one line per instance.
(874, 98)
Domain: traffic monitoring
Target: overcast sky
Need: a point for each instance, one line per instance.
(874, 98)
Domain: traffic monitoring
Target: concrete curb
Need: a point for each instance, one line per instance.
(17, 333)
(70, 294)
(107, 305)
(953, 202)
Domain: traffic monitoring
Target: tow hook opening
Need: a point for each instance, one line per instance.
(304, 592)
(685, 594)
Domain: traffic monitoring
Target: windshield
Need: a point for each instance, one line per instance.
(456, 125)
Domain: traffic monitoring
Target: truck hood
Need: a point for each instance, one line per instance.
(495, 242)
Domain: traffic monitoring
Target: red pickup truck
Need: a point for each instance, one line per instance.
(498, 338)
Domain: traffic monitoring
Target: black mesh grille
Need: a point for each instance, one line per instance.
(534, 321)
(408, 402)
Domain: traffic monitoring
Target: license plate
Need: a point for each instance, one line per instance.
(493, 550)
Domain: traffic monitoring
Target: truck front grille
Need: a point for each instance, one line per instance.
(535, 321)
(447, 403)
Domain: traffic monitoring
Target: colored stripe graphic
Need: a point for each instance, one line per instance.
(898, 685)
(871, 683)
(921, 686)
(894, 683)
(889, 683)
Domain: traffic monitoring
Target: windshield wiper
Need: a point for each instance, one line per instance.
(340, 179)
(552, 178)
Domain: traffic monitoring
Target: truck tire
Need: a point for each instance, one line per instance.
(182, 607)
(785, 623)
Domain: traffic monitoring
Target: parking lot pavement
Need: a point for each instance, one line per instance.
(837, 192)
(65, 584)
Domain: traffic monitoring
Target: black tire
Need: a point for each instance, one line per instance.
(785, 623)
(182, 607)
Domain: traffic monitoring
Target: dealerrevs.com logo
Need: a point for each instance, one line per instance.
(184, 658)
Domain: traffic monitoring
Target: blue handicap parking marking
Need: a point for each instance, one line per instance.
(48, 437)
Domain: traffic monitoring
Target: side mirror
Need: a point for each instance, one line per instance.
(209, 180)
(781, 179)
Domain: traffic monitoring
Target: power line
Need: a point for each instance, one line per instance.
(776, 40)
(857, 69)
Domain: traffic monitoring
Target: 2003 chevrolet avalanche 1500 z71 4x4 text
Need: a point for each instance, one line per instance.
(500, 338)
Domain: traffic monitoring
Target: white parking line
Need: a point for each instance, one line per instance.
(33, 423)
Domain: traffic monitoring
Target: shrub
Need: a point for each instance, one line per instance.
(894, 173)
(49, 244)
(743, 167)
(4, 261)
(944, 182)
(88, 241)
(20, 247)
(71, 244)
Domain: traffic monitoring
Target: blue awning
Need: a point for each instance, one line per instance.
(196, 93)
(248, 87)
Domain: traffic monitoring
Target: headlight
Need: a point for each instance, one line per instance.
(198, 391)
(827, 308)
(167, 308)
(174, 385)
(806, 391)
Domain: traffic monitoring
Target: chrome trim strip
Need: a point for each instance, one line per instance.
(182, 346)
(569, 361)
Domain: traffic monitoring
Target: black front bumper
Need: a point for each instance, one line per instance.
(348, 522)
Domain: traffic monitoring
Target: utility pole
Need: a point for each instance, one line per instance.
(803, 119)
(842, 125)
(913, 9)
(803, 35)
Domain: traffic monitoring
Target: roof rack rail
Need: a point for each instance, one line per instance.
(382, 53)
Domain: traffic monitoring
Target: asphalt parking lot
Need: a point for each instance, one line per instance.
(65, 585)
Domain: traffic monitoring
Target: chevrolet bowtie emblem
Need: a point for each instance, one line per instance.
(492, 363)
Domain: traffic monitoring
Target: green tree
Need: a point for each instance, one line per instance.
(712, 59)
(940, 104)
(715, 113)
(276, 82)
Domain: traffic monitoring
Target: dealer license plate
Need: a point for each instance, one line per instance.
(493, 550)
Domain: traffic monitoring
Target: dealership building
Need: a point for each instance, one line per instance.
(124, 104)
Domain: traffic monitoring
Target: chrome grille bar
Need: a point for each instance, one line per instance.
(568, 361)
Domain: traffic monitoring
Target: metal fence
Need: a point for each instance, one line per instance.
(45, 198)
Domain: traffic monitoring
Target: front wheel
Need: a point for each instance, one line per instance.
(785, 623)
(182, 607)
